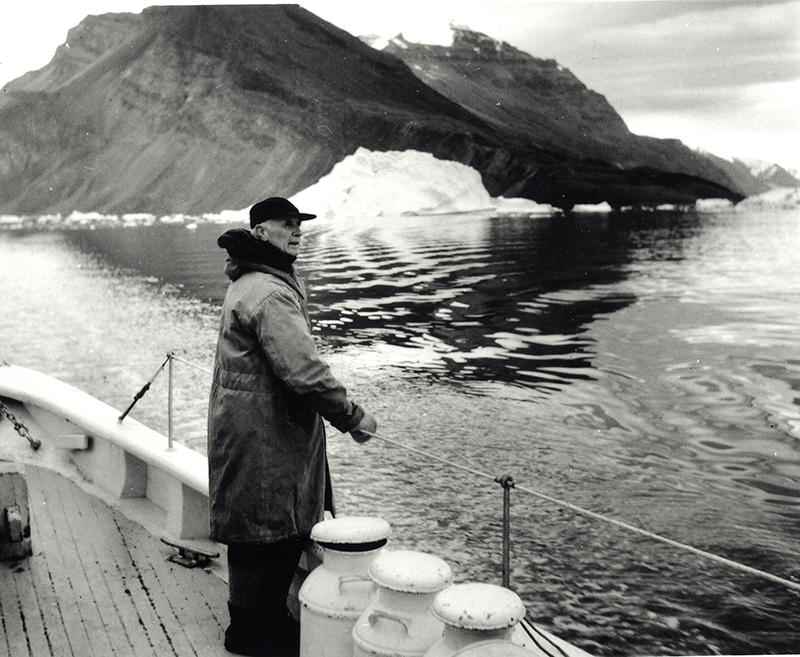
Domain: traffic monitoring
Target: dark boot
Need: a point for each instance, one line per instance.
(261, 633)
(246, 635)
(284, 633)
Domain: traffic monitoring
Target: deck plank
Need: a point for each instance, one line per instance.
(11, 618)
(130, 604)
(200, 608)
(48, 552)
(50, 620)
(99, 584)
(25, 590)
(175, 594)
(158, 596)
(86, 567)
(102, 573)
(136, 608)
(69, 528)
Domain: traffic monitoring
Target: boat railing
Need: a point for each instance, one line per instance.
(507, 483)
(125, 462)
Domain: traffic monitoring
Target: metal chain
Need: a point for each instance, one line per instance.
(20, 428)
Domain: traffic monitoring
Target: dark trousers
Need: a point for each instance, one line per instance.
(259, 576)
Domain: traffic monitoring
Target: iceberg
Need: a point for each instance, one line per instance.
(713, 204)
(394, 183)
(592, 207)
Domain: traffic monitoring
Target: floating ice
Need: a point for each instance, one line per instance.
(393, 183)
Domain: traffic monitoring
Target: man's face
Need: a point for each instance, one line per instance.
(282, 233)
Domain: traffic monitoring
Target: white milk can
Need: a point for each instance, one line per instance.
(336, 592)
(398, 621)
(475, 613)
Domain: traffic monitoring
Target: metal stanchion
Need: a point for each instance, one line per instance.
(507, 482)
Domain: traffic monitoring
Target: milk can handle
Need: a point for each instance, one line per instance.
(349, 579)
(377, 614)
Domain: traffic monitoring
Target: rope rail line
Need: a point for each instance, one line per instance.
(597, 516)
(190, 364)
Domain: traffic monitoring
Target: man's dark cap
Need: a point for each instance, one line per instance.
(275, 208)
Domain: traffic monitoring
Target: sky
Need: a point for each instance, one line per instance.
(722, 75)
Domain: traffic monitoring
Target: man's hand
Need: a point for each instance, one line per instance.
(362, 432)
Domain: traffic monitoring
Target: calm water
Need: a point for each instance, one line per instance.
(646, 367)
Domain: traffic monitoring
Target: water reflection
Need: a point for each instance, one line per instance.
(502, 300)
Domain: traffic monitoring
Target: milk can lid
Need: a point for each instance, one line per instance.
(351, 530)
(493, 649)
(478, 606)
(409, 571)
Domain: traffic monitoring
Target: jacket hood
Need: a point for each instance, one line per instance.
(248, 253)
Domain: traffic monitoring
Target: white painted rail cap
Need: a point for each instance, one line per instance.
(352, 530)
(478, 606)
(410, 571)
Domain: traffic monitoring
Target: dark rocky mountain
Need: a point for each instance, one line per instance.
(202, 108)
(542, 104)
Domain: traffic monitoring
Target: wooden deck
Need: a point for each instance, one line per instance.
(99, 585)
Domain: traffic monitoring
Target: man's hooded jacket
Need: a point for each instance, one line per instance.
(268, 475)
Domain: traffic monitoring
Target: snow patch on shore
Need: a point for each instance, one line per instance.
(786, 198)
(780, 198)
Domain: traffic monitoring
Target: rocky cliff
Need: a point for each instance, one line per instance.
(542, 104)
(204, 108)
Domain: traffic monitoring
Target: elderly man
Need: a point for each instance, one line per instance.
(269, 481)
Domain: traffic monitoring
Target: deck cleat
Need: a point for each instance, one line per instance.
(189, 556)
